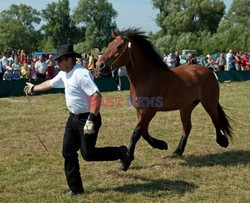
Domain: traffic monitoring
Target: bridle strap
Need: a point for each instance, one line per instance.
(128, 45)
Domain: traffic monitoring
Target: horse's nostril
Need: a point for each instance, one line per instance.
(102, 65)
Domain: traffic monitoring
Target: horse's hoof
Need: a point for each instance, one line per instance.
(165, 146)
(162, 145)
(124, 166)
(176, 155)
(125, 163)
(222, 141)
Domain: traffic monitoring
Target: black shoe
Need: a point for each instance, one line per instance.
(71, 193)
(125, 160)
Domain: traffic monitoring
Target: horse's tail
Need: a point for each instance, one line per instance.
(224, 122)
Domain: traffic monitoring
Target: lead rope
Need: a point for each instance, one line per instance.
(32, 117)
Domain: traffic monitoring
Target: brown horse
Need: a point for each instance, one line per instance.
(155, 87)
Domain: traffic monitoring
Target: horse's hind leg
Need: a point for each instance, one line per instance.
(213, 112)
(185, 114)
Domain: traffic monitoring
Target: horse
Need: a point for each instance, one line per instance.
(155, 87)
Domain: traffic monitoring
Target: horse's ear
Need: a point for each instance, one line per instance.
(114, 33)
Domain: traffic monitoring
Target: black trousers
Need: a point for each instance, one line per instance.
(74, 139)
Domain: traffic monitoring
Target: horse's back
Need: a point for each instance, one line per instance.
(200, 78)
(186, 84)
(195, 74)
(193, 71)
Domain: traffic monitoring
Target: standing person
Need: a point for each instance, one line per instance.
(4, 59)
(221, 62)
(210, 62)
(1, 70)
(165, 56)
(238, 61)
(228, 55)
(51, 70)
(41, 67)
(81, 131)
(244, 61)
(91, 65)
(16, 67)
(177, 59)
(231, 62)
(170, 60)
(191, 59)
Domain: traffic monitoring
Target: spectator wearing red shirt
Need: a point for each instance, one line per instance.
(51, 70)
(244, 61)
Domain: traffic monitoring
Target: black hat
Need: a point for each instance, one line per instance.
(65, 49)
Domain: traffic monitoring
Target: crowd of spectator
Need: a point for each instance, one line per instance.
(230, 61)
(15, 65)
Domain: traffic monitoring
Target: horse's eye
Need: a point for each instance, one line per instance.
(119, 47)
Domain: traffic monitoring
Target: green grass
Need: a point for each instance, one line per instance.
(206, 173)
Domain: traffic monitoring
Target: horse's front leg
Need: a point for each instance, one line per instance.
(131, 148)
(144, 118)
(155, 143)
(136, 135)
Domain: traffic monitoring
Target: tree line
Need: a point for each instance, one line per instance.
(203, 25)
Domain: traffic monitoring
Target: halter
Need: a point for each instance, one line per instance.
(122, 52)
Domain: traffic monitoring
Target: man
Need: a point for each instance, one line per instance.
(41, 67)
(84, 120)
(4, 59)
(228, 55)
(170, 60)
(221, 62)
(1, 70)
(91, 65)
(177, 59)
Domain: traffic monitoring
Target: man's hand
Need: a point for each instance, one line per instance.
(29, 89)
(89, 125)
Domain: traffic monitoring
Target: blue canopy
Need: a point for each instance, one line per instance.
(44, 53)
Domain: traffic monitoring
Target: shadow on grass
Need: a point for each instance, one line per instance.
(231, 158)
(154, 186)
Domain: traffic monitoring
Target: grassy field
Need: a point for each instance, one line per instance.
(206, 173)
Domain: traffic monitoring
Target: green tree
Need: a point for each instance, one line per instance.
(238, 14)
(26, 15)
(59, 27)
(178, 16)
(47, 45)
(234, 30)
(17, 28)
(98, 17)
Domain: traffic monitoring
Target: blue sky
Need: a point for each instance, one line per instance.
(131, 13)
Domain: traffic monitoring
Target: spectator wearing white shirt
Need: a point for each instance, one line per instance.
(41, 67)
(229, 54)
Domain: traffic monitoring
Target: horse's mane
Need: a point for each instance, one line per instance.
(142, 41)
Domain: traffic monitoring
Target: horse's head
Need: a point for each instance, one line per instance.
(115, 56)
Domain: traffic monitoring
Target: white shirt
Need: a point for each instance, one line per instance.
(41, 66)
(228, 55)
(79, 85)
(170, 61)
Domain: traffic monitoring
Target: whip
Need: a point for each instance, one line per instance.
(32, 117)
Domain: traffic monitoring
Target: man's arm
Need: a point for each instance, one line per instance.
(96, 99)
(42, 87)
(30, 89)
(94, 110)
